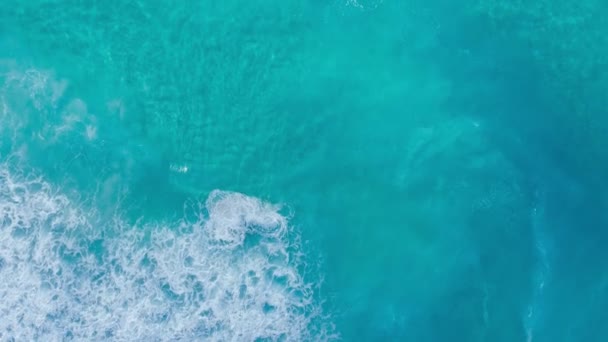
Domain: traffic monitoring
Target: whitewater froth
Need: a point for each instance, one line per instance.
(66, 275)
(230, 271)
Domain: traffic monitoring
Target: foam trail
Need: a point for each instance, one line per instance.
(541, 276)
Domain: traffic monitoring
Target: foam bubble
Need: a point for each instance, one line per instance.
(67, 275)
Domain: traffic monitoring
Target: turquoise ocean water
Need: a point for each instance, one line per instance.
(357, 170)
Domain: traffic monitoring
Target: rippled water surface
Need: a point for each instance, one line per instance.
(303, 170)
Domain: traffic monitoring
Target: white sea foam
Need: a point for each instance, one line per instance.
(30, 99)
(227, 273)
(65, 274)
(364, 5)
(543, 270)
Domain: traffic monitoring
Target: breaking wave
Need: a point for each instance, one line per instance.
(229, 270)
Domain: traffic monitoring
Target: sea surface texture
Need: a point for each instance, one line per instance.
(304, 170)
